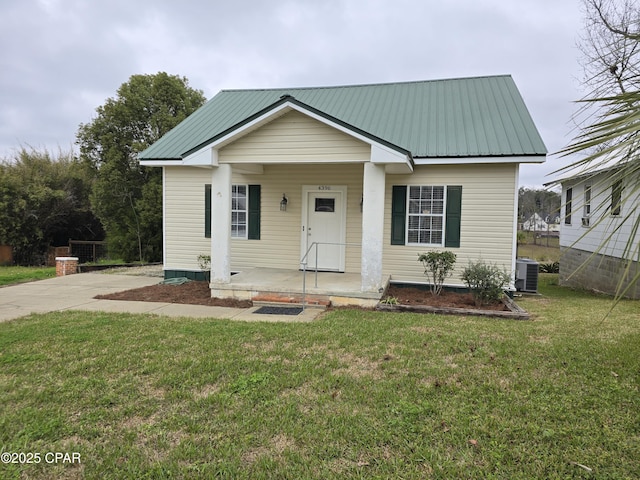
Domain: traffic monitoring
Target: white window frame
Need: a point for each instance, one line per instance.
(441, 215)
(238, 211)
(586, 208)
(616, 198)
(568, 205)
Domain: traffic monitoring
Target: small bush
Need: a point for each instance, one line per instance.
(204, 262)
(486, 282)
(437, 267)
(551, 267)
(388, 300)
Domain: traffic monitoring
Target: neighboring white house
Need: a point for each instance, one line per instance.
(535, 223)
(599, 212)
(371, 174)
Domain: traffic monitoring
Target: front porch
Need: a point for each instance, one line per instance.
(290, 286)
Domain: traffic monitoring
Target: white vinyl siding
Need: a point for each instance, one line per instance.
(279, 244)
(296, 138)
(602, 223)
(487, 225)
(184, 217)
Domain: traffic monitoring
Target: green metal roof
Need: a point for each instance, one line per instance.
(466, 117)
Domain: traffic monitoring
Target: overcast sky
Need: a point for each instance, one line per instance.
(60, 59)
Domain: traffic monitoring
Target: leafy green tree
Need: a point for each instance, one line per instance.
(545, 203)
(610, 112)
(127, 197)
(44, 201)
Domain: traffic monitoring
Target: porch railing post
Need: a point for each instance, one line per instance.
(304, 284)
(317, 265)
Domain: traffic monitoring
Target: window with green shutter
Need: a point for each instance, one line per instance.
(421, 216)
(245, 211)
(398, 214)
(452, 218)
(207, 210)
(254, 213)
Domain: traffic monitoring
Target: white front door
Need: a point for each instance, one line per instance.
(324, 222)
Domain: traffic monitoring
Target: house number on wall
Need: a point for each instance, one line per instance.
(324, 187)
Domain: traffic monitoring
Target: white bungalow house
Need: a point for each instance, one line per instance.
(535, 223)
(353, 180)
(599, 214)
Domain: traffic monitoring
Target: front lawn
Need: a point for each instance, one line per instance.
(355, 394)
(12, 275)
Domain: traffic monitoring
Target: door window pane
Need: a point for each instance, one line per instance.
(325, 204)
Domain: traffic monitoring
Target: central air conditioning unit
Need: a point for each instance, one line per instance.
(526, 275)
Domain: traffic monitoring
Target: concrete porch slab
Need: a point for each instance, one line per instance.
(289, 286)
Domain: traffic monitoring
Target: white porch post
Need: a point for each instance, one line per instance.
(221, 224)
(372, 226)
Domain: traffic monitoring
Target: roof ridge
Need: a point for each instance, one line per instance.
(383, 84)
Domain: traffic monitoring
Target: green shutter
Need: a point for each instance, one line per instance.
(398, 214)
(254, 212)
(452, 222)
(207, 210)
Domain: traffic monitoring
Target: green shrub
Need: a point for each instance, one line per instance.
(486, 282)
(551, 267)
(437, 267)
(388, 300)
(204, 262)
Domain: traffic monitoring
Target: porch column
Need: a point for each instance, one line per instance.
(373, 187)
(221, 224)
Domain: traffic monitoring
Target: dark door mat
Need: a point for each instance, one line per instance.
(279, 310)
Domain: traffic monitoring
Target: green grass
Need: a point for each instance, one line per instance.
(544, 250)
(355, 394)
(11, 275)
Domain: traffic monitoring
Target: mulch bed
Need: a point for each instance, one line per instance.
(409, 299)
(417, 296)
(194, 293)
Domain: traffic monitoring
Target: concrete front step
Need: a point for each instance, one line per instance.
(279, 299)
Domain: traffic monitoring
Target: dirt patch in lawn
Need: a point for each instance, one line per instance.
(194, 293)
(417, 296)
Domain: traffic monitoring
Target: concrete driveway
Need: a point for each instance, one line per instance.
(76, 292)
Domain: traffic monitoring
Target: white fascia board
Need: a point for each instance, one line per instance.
(475, 160)
(161, 163)
(205, 157)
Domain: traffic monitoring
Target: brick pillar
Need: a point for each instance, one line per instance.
(66, 266)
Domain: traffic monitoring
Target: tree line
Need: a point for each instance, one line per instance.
(103, 191)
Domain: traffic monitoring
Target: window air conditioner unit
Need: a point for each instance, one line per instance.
(585, 221)
(527, 275)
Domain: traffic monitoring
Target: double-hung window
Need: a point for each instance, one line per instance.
(616, 198)
(245, 212)
(425, 215)
(567, 206)
(586, 209)
(238, 211)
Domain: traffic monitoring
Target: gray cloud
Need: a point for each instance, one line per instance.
(63, 58)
